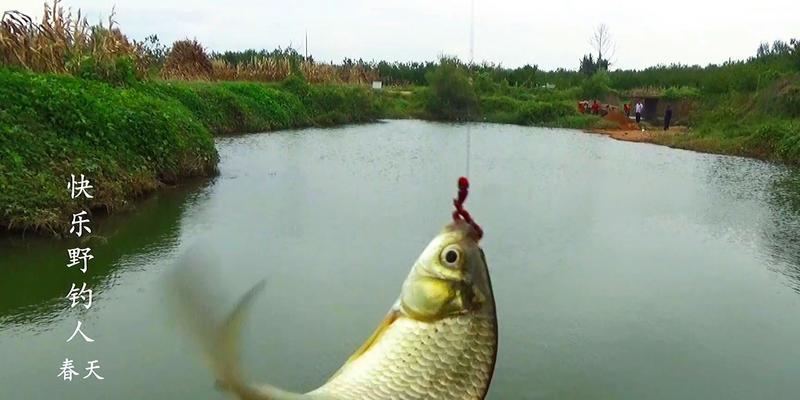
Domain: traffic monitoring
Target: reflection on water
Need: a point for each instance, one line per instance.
(782, 234)
(34, 279)
(621, 270)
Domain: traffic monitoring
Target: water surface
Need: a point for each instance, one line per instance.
(621, 270)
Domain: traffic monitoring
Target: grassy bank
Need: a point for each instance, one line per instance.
(241, 107)
(763, 124)
(454, 94)
(81, 98)
(125, 141)
(762, 121)
(129, 140)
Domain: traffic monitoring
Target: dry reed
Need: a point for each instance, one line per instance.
(65, 42)
(61, 41)
(187, 60)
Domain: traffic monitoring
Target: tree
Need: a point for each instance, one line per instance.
(597, 86)
(795, 44)
(763, 50)
(590, 67)
(452, 96)
(780, 47)
(602, 43)
(525, 76)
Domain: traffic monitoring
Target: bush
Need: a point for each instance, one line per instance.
(782, 135)
(451, 96)
(120, 71)
(541, 113)
(789, 99)
(681, 93)
(346, 103)
(187, 60)
(297, 84)
(597, 86)
(491, 104)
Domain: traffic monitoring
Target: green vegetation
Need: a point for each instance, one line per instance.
(749, 107)
(762, 124)
(238, 107)
(131, 140)
(81, 98)
(127, 142)
(451, 95)
(676, 93)
(458, 92)
(596, 86)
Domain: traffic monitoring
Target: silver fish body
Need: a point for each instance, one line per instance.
(452, 358)
(438, 341)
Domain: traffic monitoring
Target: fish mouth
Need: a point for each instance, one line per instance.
(465, 229)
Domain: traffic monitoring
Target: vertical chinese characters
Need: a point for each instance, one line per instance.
(79, 295)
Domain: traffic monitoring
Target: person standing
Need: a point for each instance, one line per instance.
(627, 108)
(667, 117)
(638, 110)
(595, 107)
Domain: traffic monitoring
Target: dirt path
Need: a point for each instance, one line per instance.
(627, 130)
(636, 135)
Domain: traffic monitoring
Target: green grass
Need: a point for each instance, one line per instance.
(130, 140)
(238, 107)
(125, 141)
(763, 124)
(234, 107)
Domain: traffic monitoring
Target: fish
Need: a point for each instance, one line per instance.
(439, 339)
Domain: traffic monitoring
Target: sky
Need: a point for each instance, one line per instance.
(550, 34)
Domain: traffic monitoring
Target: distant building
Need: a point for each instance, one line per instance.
(651, 100)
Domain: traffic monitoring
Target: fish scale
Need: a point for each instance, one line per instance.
(438, 341)
(451, 358)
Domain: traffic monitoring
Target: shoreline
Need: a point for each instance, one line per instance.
(640, 136)
(132, 140)
(682, 138)
(174, 124)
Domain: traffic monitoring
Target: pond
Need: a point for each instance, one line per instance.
(621, 270)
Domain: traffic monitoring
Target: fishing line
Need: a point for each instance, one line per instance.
(463, 183)
(469, 144)
(471, 61)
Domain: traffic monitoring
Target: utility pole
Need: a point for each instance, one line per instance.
(306, 44)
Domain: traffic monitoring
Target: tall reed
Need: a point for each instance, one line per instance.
(63, 42)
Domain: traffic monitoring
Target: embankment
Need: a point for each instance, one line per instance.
(131, 140)
(763, 124)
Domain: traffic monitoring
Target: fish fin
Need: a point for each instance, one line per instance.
(192, 295)
(226, 346)
(388, 320)
(226, 349)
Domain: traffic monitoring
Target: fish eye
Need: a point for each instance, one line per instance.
(451, 256)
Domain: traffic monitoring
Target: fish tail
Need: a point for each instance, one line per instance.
(192, 295)
(225, 350)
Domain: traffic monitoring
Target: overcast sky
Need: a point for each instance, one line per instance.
(550, 34)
